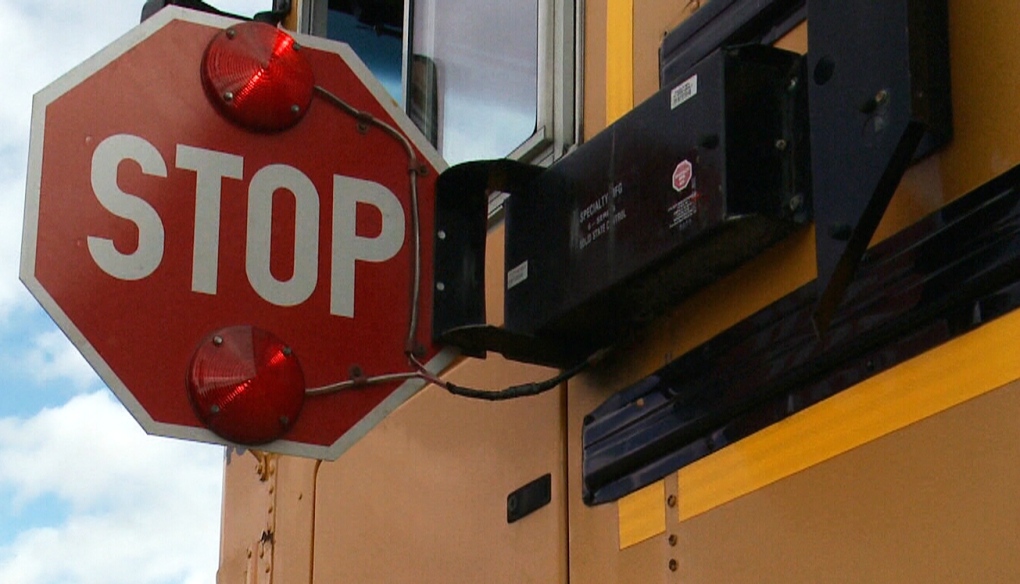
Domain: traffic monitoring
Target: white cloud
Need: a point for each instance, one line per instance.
(53, 358)
(143, 509)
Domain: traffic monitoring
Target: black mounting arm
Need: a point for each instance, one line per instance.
(879, 99)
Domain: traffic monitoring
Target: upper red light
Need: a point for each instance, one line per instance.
(257, 76)
(246, 385)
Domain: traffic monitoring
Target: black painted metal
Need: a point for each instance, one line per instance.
(942, 277)
(529, 498)
(879, 93)
(606, 239)
(725, 23)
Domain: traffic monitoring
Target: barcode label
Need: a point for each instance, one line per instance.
(683, 92)
(517, 275)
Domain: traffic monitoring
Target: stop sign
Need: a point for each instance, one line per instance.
(152, 222)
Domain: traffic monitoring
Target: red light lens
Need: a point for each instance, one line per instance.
(246, 385)
(257, 76)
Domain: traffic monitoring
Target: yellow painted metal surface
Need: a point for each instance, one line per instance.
(962, 369)
(641, 514)
(423, 497)
(619, 58)
(908, 477)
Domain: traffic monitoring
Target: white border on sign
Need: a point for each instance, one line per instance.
(33, 184)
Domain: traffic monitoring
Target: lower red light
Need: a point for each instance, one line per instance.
(257, 77)
(246, 385)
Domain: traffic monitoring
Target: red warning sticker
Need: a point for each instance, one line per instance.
(682, 175)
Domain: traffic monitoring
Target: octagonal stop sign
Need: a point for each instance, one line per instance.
(152, 222)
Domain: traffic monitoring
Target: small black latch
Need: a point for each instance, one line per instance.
(529, 498)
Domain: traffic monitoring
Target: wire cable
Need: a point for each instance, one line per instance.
(410, 346)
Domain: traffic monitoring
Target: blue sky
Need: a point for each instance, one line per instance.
(85, 495)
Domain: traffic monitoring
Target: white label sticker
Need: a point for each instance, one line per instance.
(517, 275)
(683, 92)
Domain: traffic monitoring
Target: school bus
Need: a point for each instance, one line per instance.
(877, 445)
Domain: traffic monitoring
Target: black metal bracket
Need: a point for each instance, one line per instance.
(458, 318)
(879, 98)
(281, 8)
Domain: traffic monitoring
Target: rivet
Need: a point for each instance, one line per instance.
(214, 409)
(287, 351)
(640, 402)
(295, 109)
(671, 500)
(793, 84)
(441, 234)
(296, 46)
(231, 33)
(780, 144)
(440, 286)
(228, 96)
(672, 539)
(881, 97)
(217, 340)
(673, 565)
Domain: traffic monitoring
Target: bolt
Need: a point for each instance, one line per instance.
(796, 202)
(440, 286)
(214, 409)
(228, 96)
(231, 33)
(780, 144)
(441, 234)
(673, 565)
(671, 500)
(217, 340)
(672, 539)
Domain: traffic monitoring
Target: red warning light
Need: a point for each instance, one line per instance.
(246, 385)
(256, 75)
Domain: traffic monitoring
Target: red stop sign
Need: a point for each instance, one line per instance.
(152, 222)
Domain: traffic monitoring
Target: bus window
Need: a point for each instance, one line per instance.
(478, 88)
(485, 73)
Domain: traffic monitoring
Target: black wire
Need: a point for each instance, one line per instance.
(526, 389)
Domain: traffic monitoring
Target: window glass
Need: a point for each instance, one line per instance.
(474, 81)
(376, 39)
